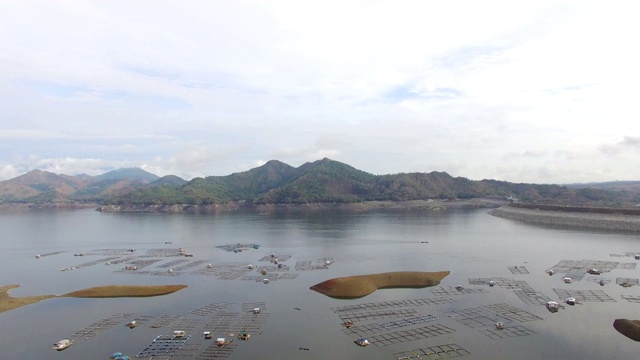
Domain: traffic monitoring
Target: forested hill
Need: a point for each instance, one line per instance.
(326, 180)
(322, 181)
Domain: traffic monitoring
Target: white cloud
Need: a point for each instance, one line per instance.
(478, 89)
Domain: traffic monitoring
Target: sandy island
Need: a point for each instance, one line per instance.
(628, 328)
(363, 285)
(9, 303)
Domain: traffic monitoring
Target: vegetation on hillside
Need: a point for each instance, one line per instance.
(322, 181)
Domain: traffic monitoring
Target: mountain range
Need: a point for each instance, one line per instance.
(322, 181)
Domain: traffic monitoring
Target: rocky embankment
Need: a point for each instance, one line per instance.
(618, 222)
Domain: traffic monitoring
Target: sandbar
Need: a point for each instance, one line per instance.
(8, 302)
(363, 285)
(628, 328)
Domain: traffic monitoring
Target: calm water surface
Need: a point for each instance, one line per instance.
(471, 244)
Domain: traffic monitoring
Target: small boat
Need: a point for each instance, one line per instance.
(119, 356)
(491, 283)
(265, 281)
(223, 341)
(459, 287)
(250, 266)
(256, 310)
(208, 335)
(594, 271)
(570, 301)
(244, 336)
(132, 324)
(209, 266)
(263, 272)
(62, 344)
(170, 271)
(567, 280)
(499, 325)
(362, 342)
(552, 306)
(601, 282)
(348, 324)
(550, 272)
(637, 257)
(179, 333)
(38, 256)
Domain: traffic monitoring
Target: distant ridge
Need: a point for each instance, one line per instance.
(322, 181)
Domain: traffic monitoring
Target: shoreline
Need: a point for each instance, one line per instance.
(585, 220)
(410, 205)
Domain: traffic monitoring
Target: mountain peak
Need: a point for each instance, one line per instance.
(129, 174)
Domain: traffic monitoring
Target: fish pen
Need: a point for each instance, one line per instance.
(163, 345)
(420, 333)
(121, 260)
(391, 304)
(584, 295)
(191, 265)
(371, 329)
(172, 263)
(625, 254)
(599, 280)
(99, 261)
(214, 351)
(532, 297)
(631, 298)
(50, 253)
(507, 332)
(518, 269)
(582, 266)
(490, 314)
(98, 327)
(319, 264)
(479, 281)
(221, 322)
(627, 282)
(378, 314)
(279, 257)
(189, 325)
(162, 253)
(207, 310)
(450, 290)
(288, 276)
(446, 351)
(236, 247)
(165, 321)
(225, 271)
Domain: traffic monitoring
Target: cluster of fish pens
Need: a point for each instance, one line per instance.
(193, 340)
(141, 263)
(389, 323)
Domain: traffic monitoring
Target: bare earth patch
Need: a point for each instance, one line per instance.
(9, 303)
(363, 285)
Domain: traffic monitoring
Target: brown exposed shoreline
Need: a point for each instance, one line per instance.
(363, 285)
(8, 302)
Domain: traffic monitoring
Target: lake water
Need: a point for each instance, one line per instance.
(471, 244)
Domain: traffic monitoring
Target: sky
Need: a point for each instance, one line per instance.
(522, 91)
